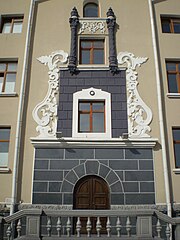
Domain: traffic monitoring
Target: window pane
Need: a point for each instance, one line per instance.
(85, 57)
(10, 82)
(98, 44)
(2, 66)
(4, 133)
(173, 88)
(4, 147)
(177, 154)
(86, 44)
(1, 83)
(166, 27)
(98, 122)
(12, 67)
(98, 57)
(3, 159)
(17, 27)
(171, 66)
(84, 106)
(176, 134)
(177, 27)
(6, 28)
(98, 106)
(84, 123)
(91, 10)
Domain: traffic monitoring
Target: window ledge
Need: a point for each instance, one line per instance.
(176, 170)
(8, 94)
(4, 170)
(173, 95)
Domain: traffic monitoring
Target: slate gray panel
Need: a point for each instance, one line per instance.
(117, 187)
(131, 186)
(71, 177)
(48, 175)
(63, 164)
(92, 167)
(80, 170)
(112, 178)
(67, 187)
(67, 198)
(41, 164)
(117, 199)
(50, 153)
(139, 176)
(140, 198)
(145, 165)
(106, 153)
(124, 164)
(138, 153)
(40, 187)
(54, 186)
(120, 174)
(78, 153)
(147, 187)
(47, 198)
(103, 171)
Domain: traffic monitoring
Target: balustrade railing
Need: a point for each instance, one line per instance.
(105, 224)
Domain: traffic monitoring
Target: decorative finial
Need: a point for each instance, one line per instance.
(110, 13)
(74, 13)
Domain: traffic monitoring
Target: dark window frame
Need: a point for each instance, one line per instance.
(90, 113)
(89, 4)
(176, 142)
(177, 72)
(5, 72)
(11, 20)
(91, 49)
(170, 21)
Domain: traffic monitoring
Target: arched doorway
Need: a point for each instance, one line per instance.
(91, 192)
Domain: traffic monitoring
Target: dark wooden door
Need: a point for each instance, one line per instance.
(91, 193)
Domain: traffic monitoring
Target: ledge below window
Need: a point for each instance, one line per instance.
(4, 169)
(14, 94)
(176, 170)
(173, 95)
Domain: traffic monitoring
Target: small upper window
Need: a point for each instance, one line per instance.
(4, 146)
(92, 51)
(12, 24)
(173, 76)
(176, 141)
(170, 25)
(91, 10)
(7, 76)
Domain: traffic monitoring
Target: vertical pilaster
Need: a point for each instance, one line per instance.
(74, 22)
(111, 24)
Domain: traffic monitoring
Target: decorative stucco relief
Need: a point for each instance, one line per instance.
(92, 27)
(45, 113)
(140, 115)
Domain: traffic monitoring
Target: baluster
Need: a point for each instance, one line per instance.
(68, 227)
(48, 226)
(78, 227)
(98, 227)
(9, 232)
(128, 227)
(58, 226)
(158, 228)
(108, 227)
(88, 227)
(168, 232)
(19, 228)
(118, 227)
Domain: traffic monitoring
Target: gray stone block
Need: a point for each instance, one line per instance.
(103, 171)
(116, 187)
(92, 167)
(131, 186)
(117, 199)
(146, 165)
(67, 198)
(40, 187)
(120, 174)
(50, 153)
(79, 153)
(124, 164)
(67, 187)
(54, 186)
(48, 175)
(47, 198)
(112, 177)
(138, 153)
(71, 177)
(147, 187)
(139, 176)
(139, 198)
(80, 170)
(41, 164)
(63, 164)
(109, 153)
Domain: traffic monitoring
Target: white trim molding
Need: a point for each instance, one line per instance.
(45, 113)
(139, 114)
(92, 94)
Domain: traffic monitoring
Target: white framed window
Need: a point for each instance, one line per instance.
(91, 114)
(4, 145)
(12, 24)
(8, 71)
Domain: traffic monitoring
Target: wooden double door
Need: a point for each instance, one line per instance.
(91, 192)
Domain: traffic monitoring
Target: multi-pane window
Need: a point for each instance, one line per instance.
(92, 51)
(170, 25)
(7, 76)
(173, 75)
(91, 117)
(12, 24)
(4, 146)
(90, 10)
(176, 141)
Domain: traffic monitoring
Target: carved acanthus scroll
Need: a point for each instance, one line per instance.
(45, 113)
(92, 26)
(140, 115)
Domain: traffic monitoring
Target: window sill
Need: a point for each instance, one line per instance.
(173, 95)
(176, 170)
(4, 170)
(8, 94)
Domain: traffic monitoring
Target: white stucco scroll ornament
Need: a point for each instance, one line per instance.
(45, 113)
(139, 114)
(92, 26)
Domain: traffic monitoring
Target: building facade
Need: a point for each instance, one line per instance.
(89, 108)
